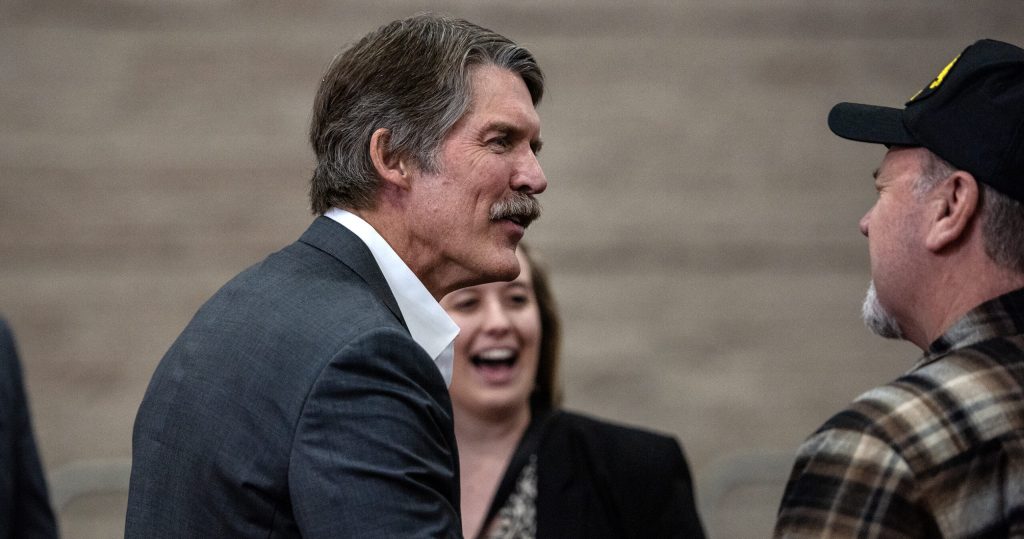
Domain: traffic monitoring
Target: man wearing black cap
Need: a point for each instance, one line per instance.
(938, 452)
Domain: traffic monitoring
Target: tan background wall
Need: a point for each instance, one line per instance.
(701, 221)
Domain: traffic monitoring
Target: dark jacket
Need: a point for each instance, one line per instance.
(598, 480)
(296, 404)
(24, 503)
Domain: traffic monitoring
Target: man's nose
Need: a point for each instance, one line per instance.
(864, 222)
(529, 177)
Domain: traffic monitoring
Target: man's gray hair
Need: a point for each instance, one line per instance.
(411, 77)
(1002, 218)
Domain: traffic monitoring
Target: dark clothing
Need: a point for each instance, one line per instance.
(600, 480)
(296, 404)
(938, 452)
(24, 502)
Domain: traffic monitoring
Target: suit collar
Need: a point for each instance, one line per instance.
(339, 242)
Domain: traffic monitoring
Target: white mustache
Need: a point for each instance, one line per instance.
(519, 207)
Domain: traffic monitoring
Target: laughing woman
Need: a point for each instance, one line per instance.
(530, 469)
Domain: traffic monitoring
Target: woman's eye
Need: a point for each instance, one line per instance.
(465, 305)
(519, 299)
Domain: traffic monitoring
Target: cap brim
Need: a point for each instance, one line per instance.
(870, 123)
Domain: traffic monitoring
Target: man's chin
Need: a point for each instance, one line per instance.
(877, 318)
(492, 271)
(506, 271)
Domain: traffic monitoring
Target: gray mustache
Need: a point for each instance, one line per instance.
(518, 207)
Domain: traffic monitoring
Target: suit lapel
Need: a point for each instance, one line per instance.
(339, 242)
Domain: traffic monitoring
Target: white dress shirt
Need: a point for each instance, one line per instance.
(429, 325)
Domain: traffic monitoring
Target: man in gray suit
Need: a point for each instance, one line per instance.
(307, 397)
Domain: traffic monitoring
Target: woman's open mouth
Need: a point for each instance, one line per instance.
(496, 364)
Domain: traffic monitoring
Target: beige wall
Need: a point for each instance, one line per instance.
(701, 221)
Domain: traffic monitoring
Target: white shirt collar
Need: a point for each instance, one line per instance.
(429, 325)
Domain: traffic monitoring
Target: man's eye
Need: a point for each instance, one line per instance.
(500, 142)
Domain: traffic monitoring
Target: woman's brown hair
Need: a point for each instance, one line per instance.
(547, 392)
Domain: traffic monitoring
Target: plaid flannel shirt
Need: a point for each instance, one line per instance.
(939, 452)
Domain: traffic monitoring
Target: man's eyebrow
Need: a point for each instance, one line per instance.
(507, 127)
(499, 125)
(875, 174)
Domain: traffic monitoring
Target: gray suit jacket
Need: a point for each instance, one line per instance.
(25, 511)
(296, 404)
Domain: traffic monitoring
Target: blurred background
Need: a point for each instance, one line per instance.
(700, 224)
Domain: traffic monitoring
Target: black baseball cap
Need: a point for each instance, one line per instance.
(971, 115)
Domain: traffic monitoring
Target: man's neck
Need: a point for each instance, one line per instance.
(958, 292)
(394, 231)
(438, 274)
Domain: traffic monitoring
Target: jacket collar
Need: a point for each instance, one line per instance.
(339, 242)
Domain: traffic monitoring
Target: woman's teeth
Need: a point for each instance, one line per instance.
(495, 356)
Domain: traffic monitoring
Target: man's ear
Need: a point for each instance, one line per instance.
(955, 204)
(390, 167)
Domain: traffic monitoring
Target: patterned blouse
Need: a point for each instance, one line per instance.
(517, 518)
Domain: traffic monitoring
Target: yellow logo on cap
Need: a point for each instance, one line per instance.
(938, 79)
